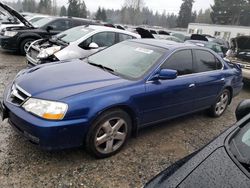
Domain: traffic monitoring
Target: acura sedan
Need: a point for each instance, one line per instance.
(100, 101)
(224, 162)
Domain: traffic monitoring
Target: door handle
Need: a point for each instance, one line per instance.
(191, 85)
(222, 79)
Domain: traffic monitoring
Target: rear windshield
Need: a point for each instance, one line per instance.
(74, 34)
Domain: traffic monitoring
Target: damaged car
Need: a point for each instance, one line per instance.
(18, 39)
(240, 53)
(78, 42)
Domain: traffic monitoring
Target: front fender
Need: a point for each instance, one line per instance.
(27, 35)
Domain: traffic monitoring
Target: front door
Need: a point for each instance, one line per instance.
(167, 99)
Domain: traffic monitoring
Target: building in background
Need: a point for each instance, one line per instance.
(225, 32)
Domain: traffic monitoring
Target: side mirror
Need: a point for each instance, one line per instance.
(243, 109)
(93, 45)
(167, 74)
(49, 28)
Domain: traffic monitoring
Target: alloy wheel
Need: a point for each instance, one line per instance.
(222, 103)
(26, 46)
(111, 135)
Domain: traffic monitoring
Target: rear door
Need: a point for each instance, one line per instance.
(209, 79)
(166, 99)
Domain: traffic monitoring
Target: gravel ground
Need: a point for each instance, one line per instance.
(24, 165)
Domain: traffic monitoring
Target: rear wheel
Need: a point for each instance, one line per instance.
(25, 45)
(109, 133)
(221, 104)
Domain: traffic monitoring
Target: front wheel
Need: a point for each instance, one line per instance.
(25, 45)
(221, 104)
(109, 133)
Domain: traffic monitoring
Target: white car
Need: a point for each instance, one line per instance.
(78, 42)
(32, 20)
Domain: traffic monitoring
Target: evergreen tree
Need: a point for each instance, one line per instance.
(204, 17)
(230, 11)
(45, 7)
(29, 5)
(63, 11)
(98, 15)
(82, 10)
(73, 9)
(103, 15)
(77, 8)
(185, 13)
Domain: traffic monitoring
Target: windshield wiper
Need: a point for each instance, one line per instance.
(103, 67)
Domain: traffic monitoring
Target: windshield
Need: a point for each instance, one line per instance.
(129, 59)
(74, 34)
(240, 144)
(42, 22)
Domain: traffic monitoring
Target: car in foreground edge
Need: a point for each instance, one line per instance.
(224, 162)
(99, 101)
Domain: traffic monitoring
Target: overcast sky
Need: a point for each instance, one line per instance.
(156, 5)
(171, 6)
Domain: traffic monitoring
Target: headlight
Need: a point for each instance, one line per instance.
(10, 33)
(46, 109)
(45, 53)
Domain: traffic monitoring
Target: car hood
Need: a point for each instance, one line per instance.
(215, 171)
(242, 42)
(60, 80)
(16, 14)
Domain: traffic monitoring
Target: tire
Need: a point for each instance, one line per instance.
(24, 45)
(221, 104)
(109, 133)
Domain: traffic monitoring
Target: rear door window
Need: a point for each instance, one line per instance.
(205, 61)
(182, 61)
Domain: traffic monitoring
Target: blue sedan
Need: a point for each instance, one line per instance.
(100, 101)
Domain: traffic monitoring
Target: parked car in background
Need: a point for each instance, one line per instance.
(100, 100)
(240, 53)
(224, 162)
(78, 42)
(32, 20)
(19, 38)
(211, 45)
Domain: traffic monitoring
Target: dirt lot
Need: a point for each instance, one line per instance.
(24, 165)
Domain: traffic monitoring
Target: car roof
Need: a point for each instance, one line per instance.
(166, 44)
(105, 28)
(201, 41)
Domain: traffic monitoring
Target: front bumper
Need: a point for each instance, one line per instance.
(8, 43)
(31, 62)
(49, 135)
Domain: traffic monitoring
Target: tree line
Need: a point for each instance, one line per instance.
(134, 12)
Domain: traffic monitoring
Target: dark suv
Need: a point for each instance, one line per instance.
(19, 38)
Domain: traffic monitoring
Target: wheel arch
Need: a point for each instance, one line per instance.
(126, 108)
(230, 89)
(23, 37)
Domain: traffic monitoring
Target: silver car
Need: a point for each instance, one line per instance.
(78, 42)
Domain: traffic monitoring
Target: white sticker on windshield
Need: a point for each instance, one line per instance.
(144, 50)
